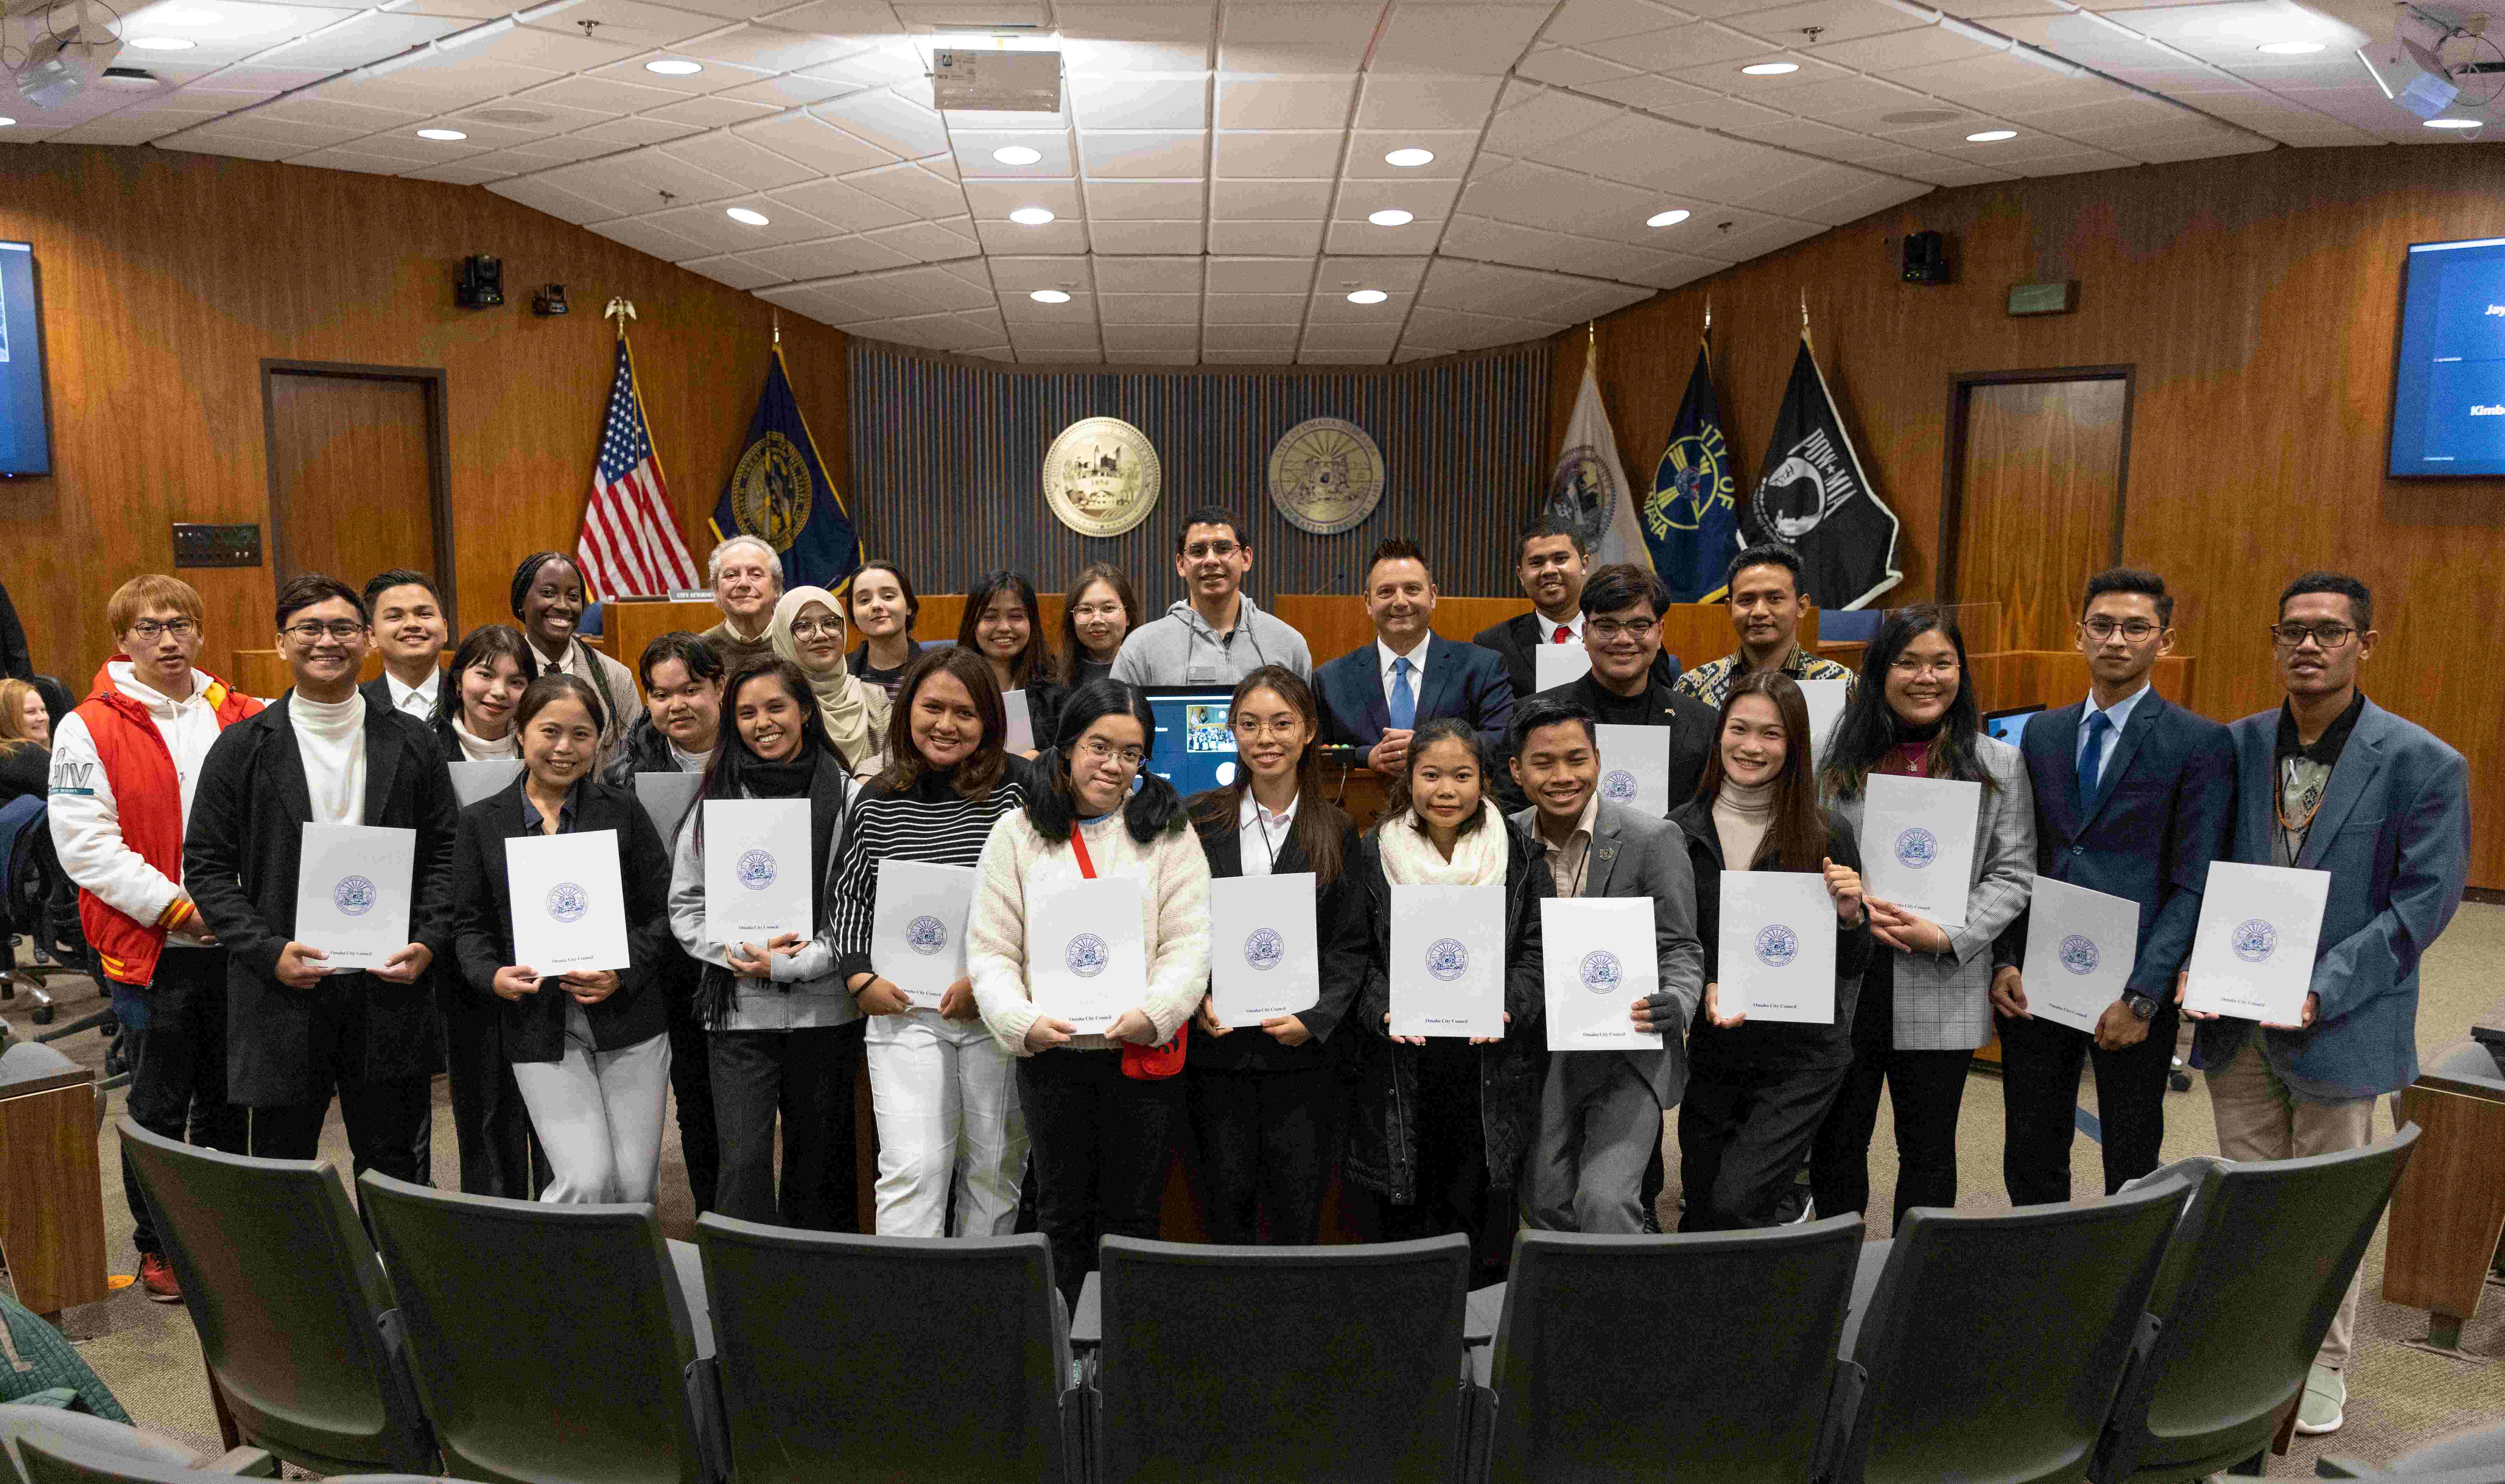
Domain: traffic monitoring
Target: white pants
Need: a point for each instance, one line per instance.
(947, 1103)
(598, 1115)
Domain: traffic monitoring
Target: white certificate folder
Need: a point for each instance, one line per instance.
(568, 906)
(1448, 961)
(1776, 956)
(2253, 956)
(917, 936)
(1086, 958)
(1918, 844)
(352, 893)
(2080, 949)
(1634, 766)
(1598, 957)
(757, 869)
(1264, 949)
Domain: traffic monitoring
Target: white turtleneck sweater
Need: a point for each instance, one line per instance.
(478, 749)
(331, 739)
(1741, 815)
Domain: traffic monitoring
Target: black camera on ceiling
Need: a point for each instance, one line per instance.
(482, 282)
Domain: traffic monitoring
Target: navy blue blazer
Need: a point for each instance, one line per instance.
(1461, 680)
(2394, 833)
(2162, 812)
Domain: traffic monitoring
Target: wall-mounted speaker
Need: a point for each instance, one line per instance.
(482, 282)
(1926, 258)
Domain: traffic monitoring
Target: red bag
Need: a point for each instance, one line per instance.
(1149, 1064)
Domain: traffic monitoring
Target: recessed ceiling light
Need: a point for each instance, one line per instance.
(1666, 219)
(163, 43)
(1050, 297)
(1031, 216)
(1016, 155)
(1368, 297)
(8, 122)
(673, 66)
(1409, 159)
(1394, 218)
(2455, 122)
(2291, 47)
(447, 136)
(1992, 136)
(745, 217)
(1769, 69)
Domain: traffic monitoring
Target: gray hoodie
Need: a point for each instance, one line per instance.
(1180, 649)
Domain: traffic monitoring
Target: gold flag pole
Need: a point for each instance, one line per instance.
(1804, 298)
(622, 310)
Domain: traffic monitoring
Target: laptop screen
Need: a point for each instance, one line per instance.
(2009, 725)
(1194, 748)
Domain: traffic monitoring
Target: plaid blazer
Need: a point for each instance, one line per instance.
(1944, 1000)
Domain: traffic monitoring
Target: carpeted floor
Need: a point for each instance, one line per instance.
(2399, 1398)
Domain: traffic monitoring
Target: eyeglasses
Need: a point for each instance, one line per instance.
(1607, 629)
(2330, 636)
(811, 628)
(1253, 729)
(1907, 665)
(1095, 750)
(1217, 548)
(180, 628)
(342, 629)
(2137, 630)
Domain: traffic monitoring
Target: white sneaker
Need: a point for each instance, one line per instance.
(2326, 1396)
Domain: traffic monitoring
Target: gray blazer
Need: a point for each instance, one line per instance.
(1634, 855)
(2394, 833)
(804, 994)
(1944, 1000)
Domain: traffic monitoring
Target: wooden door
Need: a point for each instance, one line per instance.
(2037, 502)
(356, 482)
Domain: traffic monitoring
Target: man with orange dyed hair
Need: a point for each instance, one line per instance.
(124, 766)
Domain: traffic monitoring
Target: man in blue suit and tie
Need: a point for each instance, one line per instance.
(1375, 698)
(2329, 781)
(2134, 796)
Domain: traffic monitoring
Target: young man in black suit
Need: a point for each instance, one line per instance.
(1376, 696)
(411, 631)
(2134, 798)
(296, 1033)
(1548, 561)
(1622, 609)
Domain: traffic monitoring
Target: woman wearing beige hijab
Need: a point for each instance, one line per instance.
(809, 630)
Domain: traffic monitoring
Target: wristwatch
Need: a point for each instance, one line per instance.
(2140, 1005)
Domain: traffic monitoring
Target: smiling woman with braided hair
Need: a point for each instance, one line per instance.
(547, 600)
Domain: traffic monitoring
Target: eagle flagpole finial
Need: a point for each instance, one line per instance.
(622, 310)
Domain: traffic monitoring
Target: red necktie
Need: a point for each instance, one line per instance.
(1562, 634)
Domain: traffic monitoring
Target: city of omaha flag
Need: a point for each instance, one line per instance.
(779, 491)
(1689, 520)
(1815, 496)
(1589, 490)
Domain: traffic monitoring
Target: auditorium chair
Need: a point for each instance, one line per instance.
(1703, 1355)
(1990, 1348)
(890, 1358)
(552, 1344)
(57, 1444)
(2256, 1268)
(1283, 1365)
(295, 1315)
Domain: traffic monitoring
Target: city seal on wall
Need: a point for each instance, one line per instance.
(771, 493)
(353, 896)
(1101, 476)
(1325, 475)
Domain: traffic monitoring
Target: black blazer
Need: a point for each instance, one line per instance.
(1690, 721)
(533, 1027)
(1339, 916)
(241, 851)
(1515, 638)
(1774, 1042)
(1461, 680)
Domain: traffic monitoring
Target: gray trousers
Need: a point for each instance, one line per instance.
(1598, 1127)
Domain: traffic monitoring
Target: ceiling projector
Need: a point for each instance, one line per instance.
(65, 62)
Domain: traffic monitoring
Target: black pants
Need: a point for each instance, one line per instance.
(1925, 1088)
(1455, 1191)
(692, 1088)
(2039, 1064)
(1100, 1142)
(1744, 1128)
(490, 1126)
(806, 1079)
(1266, 1141)
(178, 1068)
(382, 1118)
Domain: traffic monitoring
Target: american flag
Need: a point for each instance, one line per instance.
(630, 542)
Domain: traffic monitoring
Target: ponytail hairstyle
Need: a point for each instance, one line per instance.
(1153, 808)
(1796, 833)
(1318, 822)
(1869, 728)
(1440, 729)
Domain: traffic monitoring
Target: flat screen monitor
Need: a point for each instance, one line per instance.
(1194, 748)
(2008, 725)
(2449, 376)
(25, 441)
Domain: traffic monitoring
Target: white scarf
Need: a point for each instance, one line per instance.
(1410, 858)
(478, 749)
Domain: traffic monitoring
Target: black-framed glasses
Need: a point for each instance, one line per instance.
(180, 628)
(2330, 636)
(2137, 630)
(1607, 630)
(309, 632)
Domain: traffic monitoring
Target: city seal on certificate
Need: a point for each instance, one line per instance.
(353, 896)
(1618, 786)
(1086, 956)
(1326, 476)
(1264, 949)
(926, 934)
(1101, 476)
(1447, 960)
(757, 869)
(2254, 941)
(1602, 972)
(2079, 954)
(1777, 945)
(1917, 847)
(568, 901)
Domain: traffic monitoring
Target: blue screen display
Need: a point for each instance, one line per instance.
(1194, 748)
(2449, 386)
(24, 448)
(2009, 726)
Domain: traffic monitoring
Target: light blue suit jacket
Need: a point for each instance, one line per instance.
(2394, 833)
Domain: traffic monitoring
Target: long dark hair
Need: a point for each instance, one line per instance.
(1440, 729)
(981, 770)
(733, 759)
(1153, 807)
(481, 648)
(1319, 821)
(1033, 663)
(1869, 728)
(1065, 668)
(1796, 831)
(555, 685)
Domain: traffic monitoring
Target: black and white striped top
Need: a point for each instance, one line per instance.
(927, 823)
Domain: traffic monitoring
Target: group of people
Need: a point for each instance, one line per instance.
(177, 805)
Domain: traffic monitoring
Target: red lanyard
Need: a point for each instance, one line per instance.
(1079, 847)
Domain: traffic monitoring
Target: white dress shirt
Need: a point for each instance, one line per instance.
(1383, 654)
(2119, 714)
(413, 701)
(1263, 835)
(1572, 628)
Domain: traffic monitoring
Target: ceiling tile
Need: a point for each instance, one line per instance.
(974, 149)
(738, 272)
(1283, 102)
(1149, 237)
(1424, 103)
(1278, 155)
(1130, 102)
(1362, 236)
(824, 260)
(1452, 148)
(1472, 40)
(1578, 22)
(811, 141)
(1132, 155)
(1259, 36)
(734, 158)
(598, 95)
(769, 49)
(883, 118)
(1067, 236)
(1151, 309)
(1148, 276)
(1269, 200)
(1143, 200)
(1153, 337)
(715, 77)
(1251, 338)
(911, 189)
(1289, 237)
(840, 205)
(995, 200)
(1898, 49)
(1253, 310)
(626, 23)
(1260, 275)
(625, 133)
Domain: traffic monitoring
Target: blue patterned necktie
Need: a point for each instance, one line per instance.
(1405, 701)
(2092, 757)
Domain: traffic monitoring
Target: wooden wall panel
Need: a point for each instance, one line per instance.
(168, 277)
(2257, 299)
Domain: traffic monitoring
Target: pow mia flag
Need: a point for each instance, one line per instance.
(1815, 497)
